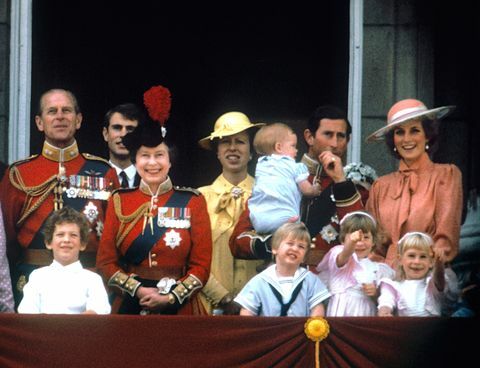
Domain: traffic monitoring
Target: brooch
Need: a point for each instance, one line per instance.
(236, 192)
(172, 239)
(329, 233)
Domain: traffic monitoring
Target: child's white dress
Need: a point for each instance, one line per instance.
(345, 283)
(417, 298)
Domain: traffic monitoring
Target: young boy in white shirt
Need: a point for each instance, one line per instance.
(65, 287)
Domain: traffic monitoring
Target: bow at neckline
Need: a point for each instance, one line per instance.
(408, 183)
(227, 200)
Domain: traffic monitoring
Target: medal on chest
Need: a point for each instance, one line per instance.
(91, 212)
(172, 239)
(88, 186)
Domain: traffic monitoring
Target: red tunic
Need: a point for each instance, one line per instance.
(36, 171)
(189, 249)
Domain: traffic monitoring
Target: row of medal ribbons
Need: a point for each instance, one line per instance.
(90, 187)
(174, 217)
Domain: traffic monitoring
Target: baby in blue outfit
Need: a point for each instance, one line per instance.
(279, 180)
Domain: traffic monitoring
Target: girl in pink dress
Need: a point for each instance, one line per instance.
(422, 285)
(346, 269)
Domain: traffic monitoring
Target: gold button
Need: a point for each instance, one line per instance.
(153, 255)
(154, 263)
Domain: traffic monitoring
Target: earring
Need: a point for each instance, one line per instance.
(427, 147)
(394, 149)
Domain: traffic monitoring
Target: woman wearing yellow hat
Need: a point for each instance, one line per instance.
(421, 195)
(226, 196)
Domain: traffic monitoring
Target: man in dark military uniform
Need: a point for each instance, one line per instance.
(327, 136)
(60, 176)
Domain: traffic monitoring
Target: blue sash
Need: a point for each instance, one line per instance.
(142, 245)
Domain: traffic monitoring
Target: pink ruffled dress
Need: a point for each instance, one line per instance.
(345, 283)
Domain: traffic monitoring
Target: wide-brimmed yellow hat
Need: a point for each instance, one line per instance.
(406, 110)
(229, 123)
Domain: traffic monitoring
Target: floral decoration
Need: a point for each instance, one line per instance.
(360, 173)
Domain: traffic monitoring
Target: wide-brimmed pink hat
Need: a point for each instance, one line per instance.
(406, 110)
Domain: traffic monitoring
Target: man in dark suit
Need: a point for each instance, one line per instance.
(119, 121)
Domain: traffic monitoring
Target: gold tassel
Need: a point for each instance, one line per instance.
(144, 223)
(148, 217)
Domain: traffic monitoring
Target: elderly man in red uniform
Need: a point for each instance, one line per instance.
(327, 136)
(59, 176)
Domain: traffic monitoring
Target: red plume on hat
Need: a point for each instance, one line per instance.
(158, 101)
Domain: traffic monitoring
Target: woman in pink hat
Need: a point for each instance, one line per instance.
(421, 195)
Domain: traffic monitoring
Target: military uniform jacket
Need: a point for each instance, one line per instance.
(27, 194)
(176, 241)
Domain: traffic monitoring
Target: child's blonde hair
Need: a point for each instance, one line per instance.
(359, 220)
(266, 138)
(413, 240)
(295, 230)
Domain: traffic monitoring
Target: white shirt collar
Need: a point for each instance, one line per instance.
(75, 266)
(130, 171)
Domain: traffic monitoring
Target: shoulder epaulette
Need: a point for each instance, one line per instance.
(23, 160)
(89, 156)
(187, 189)
(123, 190)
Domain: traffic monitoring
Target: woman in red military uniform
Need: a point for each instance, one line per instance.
(156, 245)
